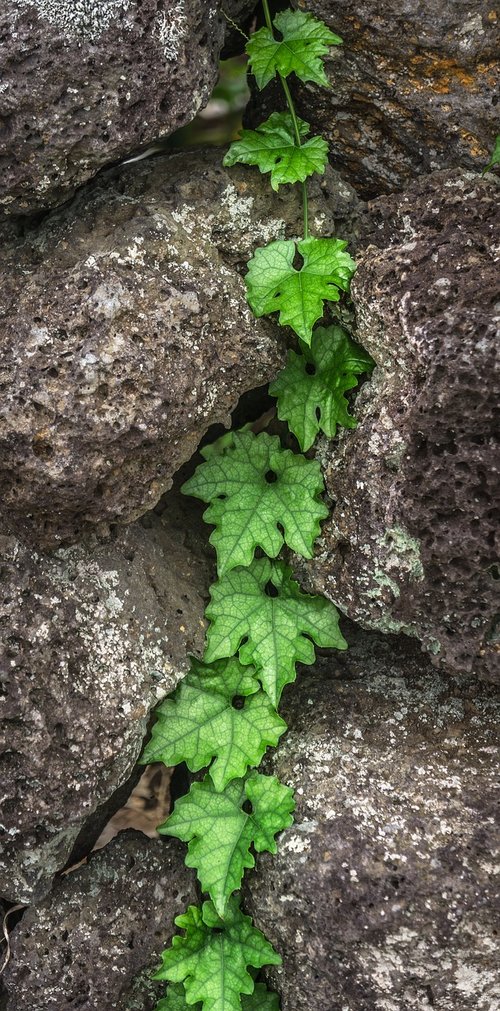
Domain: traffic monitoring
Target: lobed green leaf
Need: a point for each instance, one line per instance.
(304, 42)
(311, 388)
(261, 999)
(274, 284)
(273, 148)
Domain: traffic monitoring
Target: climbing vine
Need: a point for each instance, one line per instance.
(260, 498)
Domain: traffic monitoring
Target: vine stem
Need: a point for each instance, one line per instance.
(291, 106)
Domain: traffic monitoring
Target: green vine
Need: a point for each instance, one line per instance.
(260, 498)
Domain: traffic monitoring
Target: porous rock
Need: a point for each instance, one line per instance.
(382, 894)
(94, 941)
(85, 83)
(91, 639)
(411, 544)
(125, 333)
(413, 88)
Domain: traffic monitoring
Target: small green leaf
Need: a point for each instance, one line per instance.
(273, 148)
(257, 490)
(495, 156)
(311, 387)
(261, 999)
(212, 956)
(220, 832)
(305, 41)
(200, 722)
(261, 612)
(274, 284)
(223, 443)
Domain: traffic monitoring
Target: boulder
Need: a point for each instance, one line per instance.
(91, 639)
(413, 89)
(382, 894)
(125, 333)
(95, 940)
(84, 84)
(411, 543)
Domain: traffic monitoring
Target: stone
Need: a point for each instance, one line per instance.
(413, 89)
(411, 544)
(91, 639)
(382, 895)
(110, 77)
(94, 941)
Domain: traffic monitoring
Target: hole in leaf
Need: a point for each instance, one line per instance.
(277, 294)
(271, 476)
(318, 413)
(247, 807)
(270, 589)
(238, 702)
(298, 260)
(310, 369)
(217, 930)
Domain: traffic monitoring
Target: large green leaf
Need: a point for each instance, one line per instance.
(212, 956)
(262, 496)
(220, 832)
(200, 721)
(311, 387)
(305, 41)
(261, 612)
(261, 999)
(273, 148)
(274, 284)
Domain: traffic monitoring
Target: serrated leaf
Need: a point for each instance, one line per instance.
(261, 613)
(212, 956)
(275, 285)
(305, 41)
(273, 148)
(262, 496)
(200, 722)
(261, 999)
(311, 387)
(220, 833)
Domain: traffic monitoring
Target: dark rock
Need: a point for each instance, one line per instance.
(411, 544)
(91, 639)
(94, 941)
(413, 89)
(382, 895)
(84, 84)
(125, 333)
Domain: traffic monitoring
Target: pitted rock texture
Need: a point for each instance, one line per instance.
(413, 89)
(125, 333)
(90, 640)
(412, 542)
(94, 941)
(382, 895)
(110, 76)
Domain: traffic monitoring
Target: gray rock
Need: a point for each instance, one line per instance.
(90, 640)
(382, 895)
(85, 83)
(411, 544)
(413, 89)
(94, 941)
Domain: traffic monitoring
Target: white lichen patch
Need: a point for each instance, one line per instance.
(170, 29)
(80, 20)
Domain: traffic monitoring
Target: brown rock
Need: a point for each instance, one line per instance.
(381, 896)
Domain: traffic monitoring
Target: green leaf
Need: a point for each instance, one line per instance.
(495, 156)
(272, 146)
(200, 722)
(220, 832)
(261, 612)
(223, 443)
(311, 387)
(262, 496)
(274, 284)
(260, 1000)
(213, 963)
(305, 41)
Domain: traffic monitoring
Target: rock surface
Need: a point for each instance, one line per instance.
(412, 542)
(382, 895)
(125, 333)
(90, 640)
(413, 89)
(111, 75)
(94, 941)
